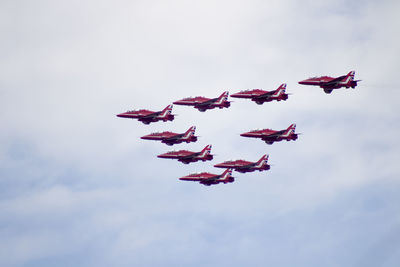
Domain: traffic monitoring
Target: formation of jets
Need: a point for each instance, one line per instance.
(202, 104)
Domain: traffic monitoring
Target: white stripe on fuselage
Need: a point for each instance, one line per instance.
(261, 164)
(220, 101)
(189, 134)
(278, 92)
(349, 78)
(288, 133)
(205, 152)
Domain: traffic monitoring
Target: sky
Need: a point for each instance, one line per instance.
(78, 187)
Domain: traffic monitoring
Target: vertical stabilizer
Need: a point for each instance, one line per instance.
(290, 130)
(280, 91)
(189, 133)
(262, 162)
(206, 151)
(349, 77)
(222, 98)
(226, 174)
(166, 111)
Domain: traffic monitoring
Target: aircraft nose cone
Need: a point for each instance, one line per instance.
(303, 82)
(123, 115)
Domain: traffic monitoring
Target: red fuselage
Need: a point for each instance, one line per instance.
(203, 103)
(207, 178)
(330, 83)
(260, 96)
(270, 136)
(186, 156)
(324, 82)
(170, 138)
(147, 116)
(243, 166)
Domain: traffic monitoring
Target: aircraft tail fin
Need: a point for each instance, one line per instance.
(166, 111)
(290, 130)
(189, 133)
(351, 73)
(226, 174)
(222, 98)
(206, 151)
(350, 77)
(282, 89)
(262, 161)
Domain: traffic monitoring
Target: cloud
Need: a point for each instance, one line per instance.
(80, 188)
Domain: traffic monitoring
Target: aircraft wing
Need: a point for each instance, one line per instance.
(242, 168)
(334, 81)
(273, 135)
(247, 166)
(173, 138)
(190, 156)
(210, 179)
(207, 103)
(265, 95)
(150, 116)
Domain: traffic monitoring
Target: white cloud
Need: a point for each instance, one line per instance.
(84, 181)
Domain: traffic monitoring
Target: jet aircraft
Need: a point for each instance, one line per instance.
(330, 83)
(244, 166)
(208, 179)
(270, 136)
(147, 116)
(203, 103)
(260, 96)
(170, 138)
(187, 157)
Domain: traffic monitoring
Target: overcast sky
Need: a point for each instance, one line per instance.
(78, 187)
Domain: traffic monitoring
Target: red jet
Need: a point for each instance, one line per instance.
(246, 166)
(203, 103)
(270, 136)
(189, 156)
(330, 83)
(260, 96)
(208, 179)
(148, 116)
(170, 138)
